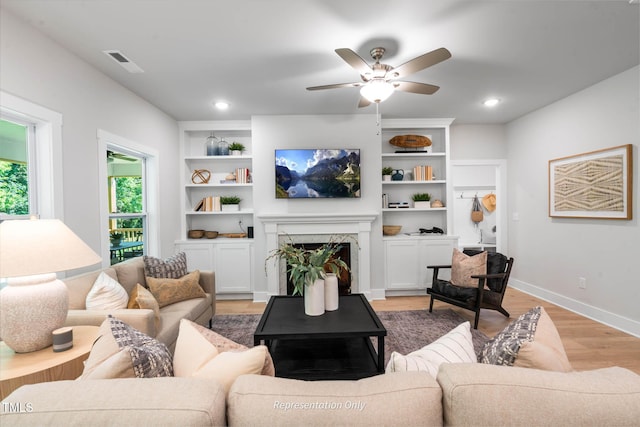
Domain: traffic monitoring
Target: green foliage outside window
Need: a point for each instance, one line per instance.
(129, 199)
(14, 188)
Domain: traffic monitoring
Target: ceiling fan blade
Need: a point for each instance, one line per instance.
(413, 87)
(420, 63)
(335, 86)
(353, 59)
(364, 102)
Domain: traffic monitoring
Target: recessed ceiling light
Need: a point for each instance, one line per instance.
(221, 105)
(491, 102)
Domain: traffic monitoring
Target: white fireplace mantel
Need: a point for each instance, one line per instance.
(358, 224)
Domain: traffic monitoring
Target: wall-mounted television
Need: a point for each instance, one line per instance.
(319, 173)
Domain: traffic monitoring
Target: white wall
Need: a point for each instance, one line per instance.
(478, 142)
(329, 131)
(35, 68)
(550, 254)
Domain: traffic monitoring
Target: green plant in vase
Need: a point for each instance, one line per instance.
(421, 197)
(230, 203)
(421, 200)
(236, 148)
(305, 266)
(230, 200)
(386, 173)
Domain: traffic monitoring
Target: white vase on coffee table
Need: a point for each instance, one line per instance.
(314, 298)
(331, 294)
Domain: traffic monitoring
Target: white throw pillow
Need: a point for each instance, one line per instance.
(195, 356)
(454, 347)
(106, 294)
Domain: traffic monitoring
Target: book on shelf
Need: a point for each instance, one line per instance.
(423, 173)
(243, 176)
(209, 204)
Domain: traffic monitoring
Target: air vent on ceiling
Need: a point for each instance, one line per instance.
(125, 62)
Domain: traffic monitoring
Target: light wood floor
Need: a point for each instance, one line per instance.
(589, 344)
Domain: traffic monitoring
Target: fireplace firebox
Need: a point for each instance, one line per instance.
(344, 276)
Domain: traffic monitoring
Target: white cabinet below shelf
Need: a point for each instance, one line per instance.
(230, 259)
(407, 258)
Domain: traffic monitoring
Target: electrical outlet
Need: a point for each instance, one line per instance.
(582, 283)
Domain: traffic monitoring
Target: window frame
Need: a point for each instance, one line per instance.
(110, 142)
(47, 190)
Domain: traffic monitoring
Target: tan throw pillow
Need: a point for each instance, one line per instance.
(530, 341)
(142, 298)
(106, 294)
(169, 291)
(124, 352)
(546, 350)
(225, 344)
(195, 356)
(464, 266)
(454, 347)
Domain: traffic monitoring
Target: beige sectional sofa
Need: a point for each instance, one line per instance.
(128, 274)
(463, 394)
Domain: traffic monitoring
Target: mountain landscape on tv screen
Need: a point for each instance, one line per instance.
(317, 173)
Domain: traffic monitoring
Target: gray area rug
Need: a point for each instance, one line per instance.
(407, 331)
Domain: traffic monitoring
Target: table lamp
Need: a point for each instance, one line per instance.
(34, 302)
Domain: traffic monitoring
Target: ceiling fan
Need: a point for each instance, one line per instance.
(112, 155)
(379, 80)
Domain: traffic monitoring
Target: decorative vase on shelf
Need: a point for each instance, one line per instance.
(331, 297)
(211, 146)
(223, 147)
(314, 298)
(398, 175)
(422, 204)
(230, 208)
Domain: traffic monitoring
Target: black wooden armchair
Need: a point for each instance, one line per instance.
(474, 299)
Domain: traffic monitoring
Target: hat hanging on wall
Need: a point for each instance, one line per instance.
(489, 202)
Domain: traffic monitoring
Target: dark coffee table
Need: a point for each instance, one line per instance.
(335, 345)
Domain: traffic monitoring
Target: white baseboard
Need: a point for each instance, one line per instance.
(261, 296)
(613, 320)
(377, 294)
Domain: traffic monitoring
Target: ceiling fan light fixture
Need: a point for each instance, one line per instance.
(377, 90)
(491, 102)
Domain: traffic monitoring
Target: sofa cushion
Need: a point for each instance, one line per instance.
(489, 395)
(168, 291)
(196, 357)
(399, 398)
(172, 268)
(130, 273)
(142, 298)
(123, 352)
(464, 266)
(454, 347)
(118, 402)
(106, 294)
(530, 341)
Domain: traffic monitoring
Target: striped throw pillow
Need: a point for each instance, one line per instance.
(454, 347)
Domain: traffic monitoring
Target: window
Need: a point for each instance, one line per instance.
(123, 203)
(17, 171)
(39, 131)
(126, 201)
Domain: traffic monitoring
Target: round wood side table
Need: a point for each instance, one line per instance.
(17, 369)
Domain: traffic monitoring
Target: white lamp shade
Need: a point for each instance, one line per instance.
(377, 90)
(39, 246)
